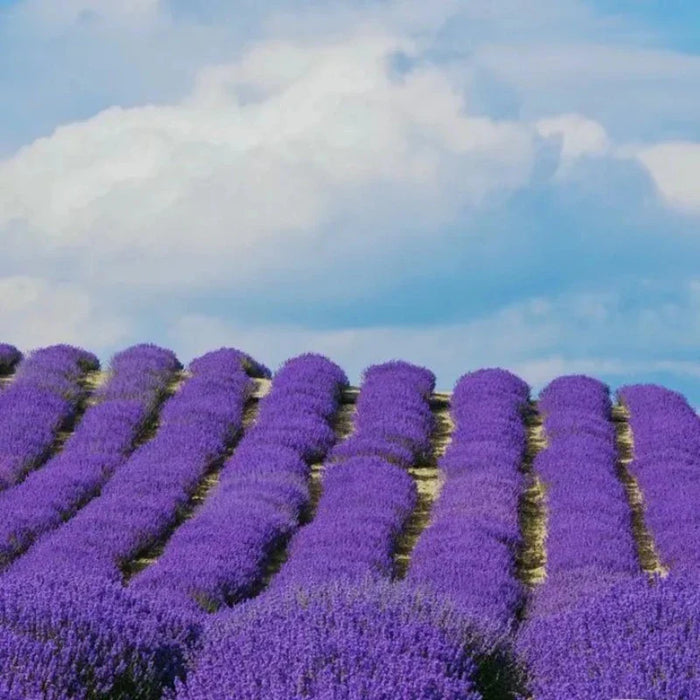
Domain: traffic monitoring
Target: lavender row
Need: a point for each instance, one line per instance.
(401, 437)
(636, 639)
(666, 465)
(383, 641)
(42, 399)
(366, 498)
(218, 557)
(142, 500)
(590, 553)
(589, 541)
(86, 640)
(100, 444)
(9, 357)
(468, 552)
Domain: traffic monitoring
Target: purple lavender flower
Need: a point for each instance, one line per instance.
(42, 399)
(100, 443)
(468, 551)
(371, 641)
(262, 490)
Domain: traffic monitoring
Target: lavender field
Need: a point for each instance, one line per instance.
(223, 531)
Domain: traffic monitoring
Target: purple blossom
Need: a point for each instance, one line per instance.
(87, 638)
(42, 399)
(468, 551)
(666, 464)
(262, 490)
(589, 542)
(636, 640)
(100, 443)
(142, 499)
(366, 498)
(371, 641)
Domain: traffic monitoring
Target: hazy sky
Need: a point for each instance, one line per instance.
(460, 183)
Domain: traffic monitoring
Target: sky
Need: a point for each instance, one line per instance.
(460, 183)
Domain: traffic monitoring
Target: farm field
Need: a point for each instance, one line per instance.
(223, 531)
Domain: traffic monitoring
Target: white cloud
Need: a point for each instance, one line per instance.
(35, 312)
(577, 135)
(539, 339)
(261, 156)
(675, 169)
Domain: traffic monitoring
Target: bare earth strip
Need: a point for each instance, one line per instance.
(532, 510)
(429, 482)
(199, 495)
(648, 556)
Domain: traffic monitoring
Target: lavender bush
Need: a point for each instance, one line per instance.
(87, 638)
(100, 443)
(666, 464)
(218, 557)
(372, 641)
(468, 551)
(639, 639)
(366, 499)
(141, 501)
(42, 399)
(589, 541)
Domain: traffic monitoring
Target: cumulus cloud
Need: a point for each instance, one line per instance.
(260, 158)
(675, 168)
(36, 312)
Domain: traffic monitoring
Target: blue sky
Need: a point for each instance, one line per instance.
(460, 184)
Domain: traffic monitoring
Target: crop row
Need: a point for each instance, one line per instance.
(365, 501)
(100, 443)
(218, 556)
(43, 398)
(145, 495)
(469, 550)
(333, 622)
(666, 466)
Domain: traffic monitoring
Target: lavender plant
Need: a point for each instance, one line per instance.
(468, 551)
(666, 464)
(86, 638)
(369, 641)
(366, 499)
(589, 542)
(101, 442)
(141, 502)
(42, 399)
(218, 557)
(638, 639)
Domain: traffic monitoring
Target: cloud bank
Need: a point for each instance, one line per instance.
(456, 183)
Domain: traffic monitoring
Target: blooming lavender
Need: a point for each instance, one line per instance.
(589, 540)
(366, 499)
(142, 500)
(43, 398)
(666, 464)
(87, 638)
(219, 555)
(638, 639)
(101, 442)
(375, 641)
(468, 551)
